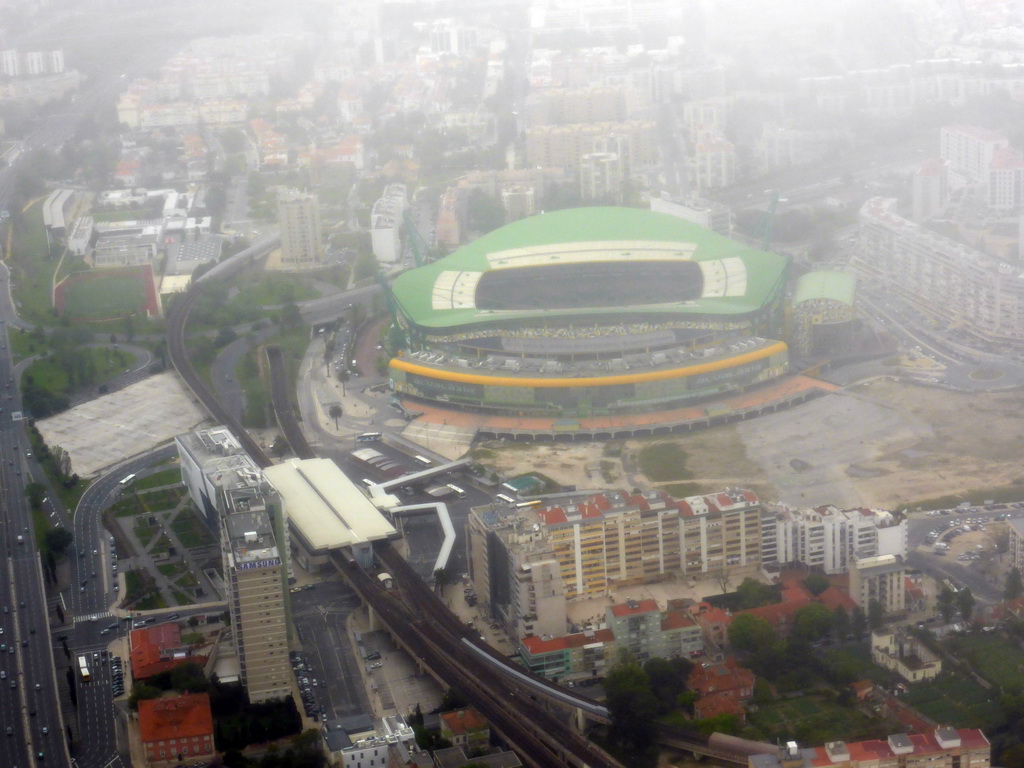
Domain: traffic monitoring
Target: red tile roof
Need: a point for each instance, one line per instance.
(727, 677)
(537, 645)
(639, 606)
(150, 647)
(677, 620)
(463, 721)
(178, 717)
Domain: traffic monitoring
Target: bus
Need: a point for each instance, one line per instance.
(457, 491)
(525, 504)
(507, 499)
(127, 479)
(422, 460)
(369, 437)
(83, 669)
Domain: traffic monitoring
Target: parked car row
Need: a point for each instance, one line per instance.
(116, 676)
(306, 681)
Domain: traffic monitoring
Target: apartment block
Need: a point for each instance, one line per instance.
(713, 163)
(830, 539)
(298, 214)
(565, 106)
(1006, 180)
(881, 579)
(601, 177)
(940, 748)
(255, 577)
(981, 294)
(562, 146)
(1016, 543)
(969, 150)
(386, 224)
(615, 538)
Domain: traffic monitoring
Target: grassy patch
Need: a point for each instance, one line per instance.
(814, 719)
(158, 479)
(150, 602)
(104, 296)
(32, 267)
(69, 496)
(663, 461)
(101, 363)
(25, 345)
(181, 598)
(191, 531)
(268, 290)
(164, 499)
(993, 658)
(954, 699)
(129, 506)
(162, 546)
(170, 570)
(682, 490)
(145, 532)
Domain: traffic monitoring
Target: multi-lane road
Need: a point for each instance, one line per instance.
(30, 711)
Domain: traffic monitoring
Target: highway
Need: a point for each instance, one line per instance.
(28, 690)
(91, 597)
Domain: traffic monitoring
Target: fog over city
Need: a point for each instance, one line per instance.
(545, 383)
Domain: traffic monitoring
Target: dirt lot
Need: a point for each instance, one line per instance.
(879, 444)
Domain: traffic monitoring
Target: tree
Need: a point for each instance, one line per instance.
(858, 623)
(750, 633)
(335, 413)
(876, 614)
(667, 680)
(343, 376)
(483, 213)
(58, 539)
(721, 577)
(1014, 585)
(817, 583)
(841, 624)
(35, 492)
(142, 691)
(752, 593)
(129, 326)
(813, 622)
(965, 604)
(441, 579)
(946, 602)
(631, 705)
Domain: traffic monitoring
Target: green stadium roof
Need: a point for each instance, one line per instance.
(764, 272)
(825, 284)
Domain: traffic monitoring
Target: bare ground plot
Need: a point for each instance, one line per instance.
(880, 444)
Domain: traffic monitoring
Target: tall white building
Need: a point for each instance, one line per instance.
(298, 215)
(254, 575)
(386, 224)
(969, 150)
(832, 539)
(713, 163)
(1006, 180)
(10, 62)
(601, 176)
(705, 213)
(35, 63)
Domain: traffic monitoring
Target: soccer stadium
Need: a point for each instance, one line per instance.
(590, 311)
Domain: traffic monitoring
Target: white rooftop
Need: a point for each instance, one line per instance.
(324, 506)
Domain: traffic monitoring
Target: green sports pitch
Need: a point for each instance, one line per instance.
(98, 296)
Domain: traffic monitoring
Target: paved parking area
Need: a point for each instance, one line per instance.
(398, 683)
(104, 431)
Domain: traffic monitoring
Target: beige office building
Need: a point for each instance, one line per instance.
(254, 574)
(298, 215)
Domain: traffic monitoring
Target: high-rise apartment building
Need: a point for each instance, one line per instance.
(880, 579)
(255, 578)
(298, 215)
(969, 150)
(601, 177)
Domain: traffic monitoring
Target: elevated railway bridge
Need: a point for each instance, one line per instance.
(529, 712)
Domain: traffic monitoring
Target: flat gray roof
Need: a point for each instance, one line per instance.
(325, 506)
